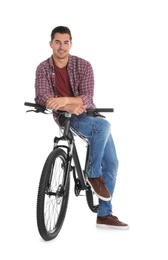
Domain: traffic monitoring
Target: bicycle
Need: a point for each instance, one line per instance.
(54, 185)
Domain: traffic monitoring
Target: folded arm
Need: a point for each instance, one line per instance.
(73, 105)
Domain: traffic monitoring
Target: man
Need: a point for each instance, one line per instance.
(66, 82)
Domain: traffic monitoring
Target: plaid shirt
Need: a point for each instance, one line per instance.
(81, 79)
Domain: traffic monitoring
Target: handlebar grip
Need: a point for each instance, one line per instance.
(97, 110)
(31, 104)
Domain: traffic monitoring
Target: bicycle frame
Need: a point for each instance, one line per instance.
(68, 131)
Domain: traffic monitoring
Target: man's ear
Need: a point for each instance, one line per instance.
(50, 43)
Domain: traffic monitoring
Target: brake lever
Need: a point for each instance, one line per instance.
(38, 110)
(31, 111)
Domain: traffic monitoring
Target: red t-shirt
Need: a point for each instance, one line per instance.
(62, 82)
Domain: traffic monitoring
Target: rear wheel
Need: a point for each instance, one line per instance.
(53, 195)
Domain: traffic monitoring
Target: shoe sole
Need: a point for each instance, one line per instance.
(100, 197)
(113, 227)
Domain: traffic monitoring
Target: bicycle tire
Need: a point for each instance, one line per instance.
(51, 201)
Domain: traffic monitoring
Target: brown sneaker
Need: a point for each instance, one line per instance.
(99, 187)
(111, 221)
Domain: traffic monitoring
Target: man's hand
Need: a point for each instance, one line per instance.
(75, 109)
(55, 103)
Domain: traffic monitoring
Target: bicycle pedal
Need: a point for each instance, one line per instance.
(78, 187)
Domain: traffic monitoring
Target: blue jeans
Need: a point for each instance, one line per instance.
(103, 157)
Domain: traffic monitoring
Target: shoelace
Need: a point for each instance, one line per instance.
(114, 217)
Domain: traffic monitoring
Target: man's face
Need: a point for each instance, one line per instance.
(61, 45)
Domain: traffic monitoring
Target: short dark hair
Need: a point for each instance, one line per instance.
(62, 30)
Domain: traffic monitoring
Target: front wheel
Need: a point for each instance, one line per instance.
(53, 195)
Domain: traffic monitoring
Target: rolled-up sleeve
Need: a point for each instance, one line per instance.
(82, 80)
(43, 84)
(87, 86)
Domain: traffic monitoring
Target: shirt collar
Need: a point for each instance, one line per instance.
(70, 63)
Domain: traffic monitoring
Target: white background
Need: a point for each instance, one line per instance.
(126, 42)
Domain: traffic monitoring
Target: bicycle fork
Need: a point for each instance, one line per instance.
(68, 150)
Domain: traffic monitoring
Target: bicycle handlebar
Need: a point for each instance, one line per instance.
(43, 109)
